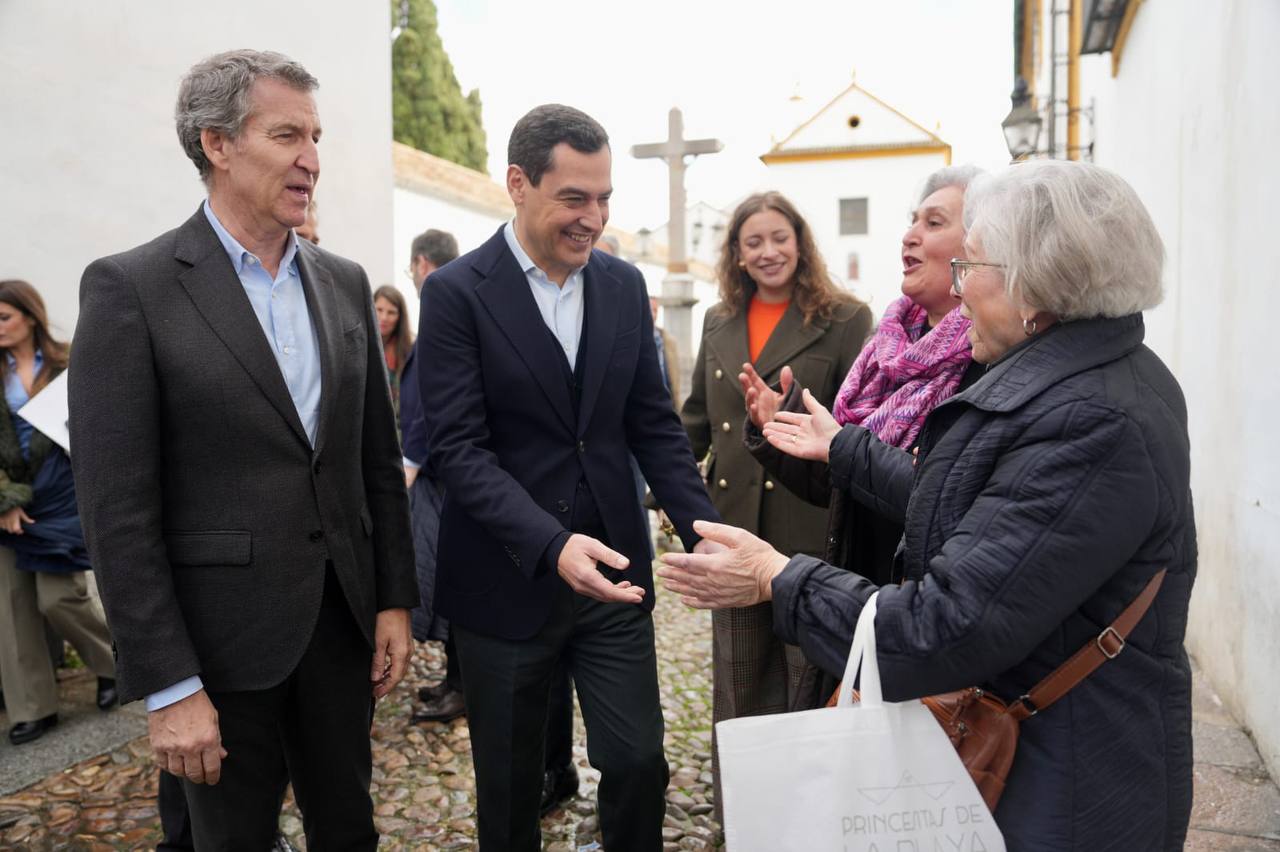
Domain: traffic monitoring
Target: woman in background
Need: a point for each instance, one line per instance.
(397, 339)
(42, 552)
(778, 306)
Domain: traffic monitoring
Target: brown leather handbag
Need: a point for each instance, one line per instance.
(984, 729)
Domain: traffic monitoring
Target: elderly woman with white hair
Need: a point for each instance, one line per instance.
(1043, 501)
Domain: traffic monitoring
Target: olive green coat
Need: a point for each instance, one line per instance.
(820, 354)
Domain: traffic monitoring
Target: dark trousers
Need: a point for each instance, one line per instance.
(452, 671)
(313, 730)
(609, 652)
(175, 821)
(559, 736)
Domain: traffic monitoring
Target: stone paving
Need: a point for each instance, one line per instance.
(422, 778)
(424, 791)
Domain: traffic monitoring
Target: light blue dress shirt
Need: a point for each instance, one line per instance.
(561, 307)
(16, 396)
(281, 307)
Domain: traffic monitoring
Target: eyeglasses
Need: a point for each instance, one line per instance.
(960, 270)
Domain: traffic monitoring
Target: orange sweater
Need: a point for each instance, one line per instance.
(762, 319)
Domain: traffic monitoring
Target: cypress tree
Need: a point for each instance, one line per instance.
(428, 109)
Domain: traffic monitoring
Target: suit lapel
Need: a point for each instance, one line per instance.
(729, 341)
(322, 304)
(504, 291)
(601, 309)
(219, 296)
(790, 338)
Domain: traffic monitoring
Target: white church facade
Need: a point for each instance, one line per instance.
(853, 169)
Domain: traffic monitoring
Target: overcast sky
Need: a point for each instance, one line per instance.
(732, 67)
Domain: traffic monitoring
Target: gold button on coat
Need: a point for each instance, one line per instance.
(726, 427)
(723, 484)
(719, 374)
(768, 485)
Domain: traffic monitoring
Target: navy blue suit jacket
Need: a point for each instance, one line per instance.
(509, 451)
(413, 424)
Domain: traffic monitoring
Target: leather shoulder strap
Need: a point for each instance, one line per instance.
(1107, 645)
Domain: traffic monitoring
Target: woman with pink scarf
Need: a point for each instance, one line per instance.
(918, 356)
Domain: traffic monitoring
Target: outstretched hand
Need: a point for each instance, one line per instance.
(577, 566)
(804, 436)
(762, 402)
(739, 572)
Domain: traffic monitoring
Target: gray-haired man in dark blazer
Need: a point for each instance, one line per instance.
(239, 477)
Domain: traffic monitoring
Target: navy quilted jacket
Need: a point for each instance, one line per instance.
(1045, 497)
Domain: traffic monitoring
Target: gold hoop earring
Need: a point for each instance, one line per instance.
(742, 264)
(1029, 326)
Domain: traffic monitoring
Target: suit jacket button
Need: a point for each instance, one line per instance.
(315, 468)
(315, 535)
(562, 505)
(725, 427)
(723, 484)
(768, 485)
(582, 446)
(719, 374)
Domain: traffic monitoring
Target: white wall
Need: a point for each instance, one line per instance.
(89, 161)
(891, 185)
(1191, 121)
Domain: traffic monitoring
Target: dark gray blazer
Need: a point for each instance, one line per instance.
(208, 516)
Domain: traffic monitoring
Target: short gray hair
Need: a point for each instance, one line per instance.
(215, 94)
(960, 176)
(1075, 239)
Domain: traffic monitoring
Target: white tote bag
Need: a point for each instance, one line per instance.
(865, 777)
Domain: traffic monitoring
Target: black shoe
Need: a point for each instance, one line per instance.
(25, 732)
(107, 697)
(558, 786)
(449, 706)
(282, 844)
(434, 693)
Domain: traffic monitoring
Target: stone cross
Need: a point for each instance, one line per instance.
(674, 150)
(677, 288)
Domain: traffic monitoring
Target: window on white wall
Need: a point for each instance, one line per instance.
(853, 216)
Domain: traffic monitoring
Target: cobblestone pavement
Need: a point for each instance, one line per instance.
(424, 791)
(423, 788)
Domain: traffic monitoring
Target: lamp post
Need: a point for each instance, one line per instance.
(1022, 125)
(643, 237)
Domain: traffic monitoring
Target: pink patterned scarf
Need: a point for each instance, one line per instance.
(903, 373)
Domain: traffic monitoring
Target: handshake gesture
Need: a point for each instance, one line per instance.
(581, 556)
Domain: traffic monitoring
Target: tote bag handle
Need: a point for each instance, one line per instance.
(863, 651)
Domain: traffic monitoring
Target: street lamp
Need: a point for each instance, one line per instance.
(643, 237)
(1022, 125)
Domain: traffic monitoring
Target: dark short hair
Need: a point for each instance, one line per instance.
(439, 247)
(543, 128)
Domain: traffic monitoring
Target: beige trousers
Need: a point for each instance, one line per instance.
(26, 599)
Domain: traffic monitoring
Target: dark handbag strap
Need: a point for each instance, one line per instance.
(1107, 645)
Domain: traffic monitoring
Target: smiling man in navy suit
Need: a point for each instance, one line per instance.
(544, 379)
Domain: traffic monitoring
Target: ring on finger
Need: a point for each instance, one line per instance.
(795, 439)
